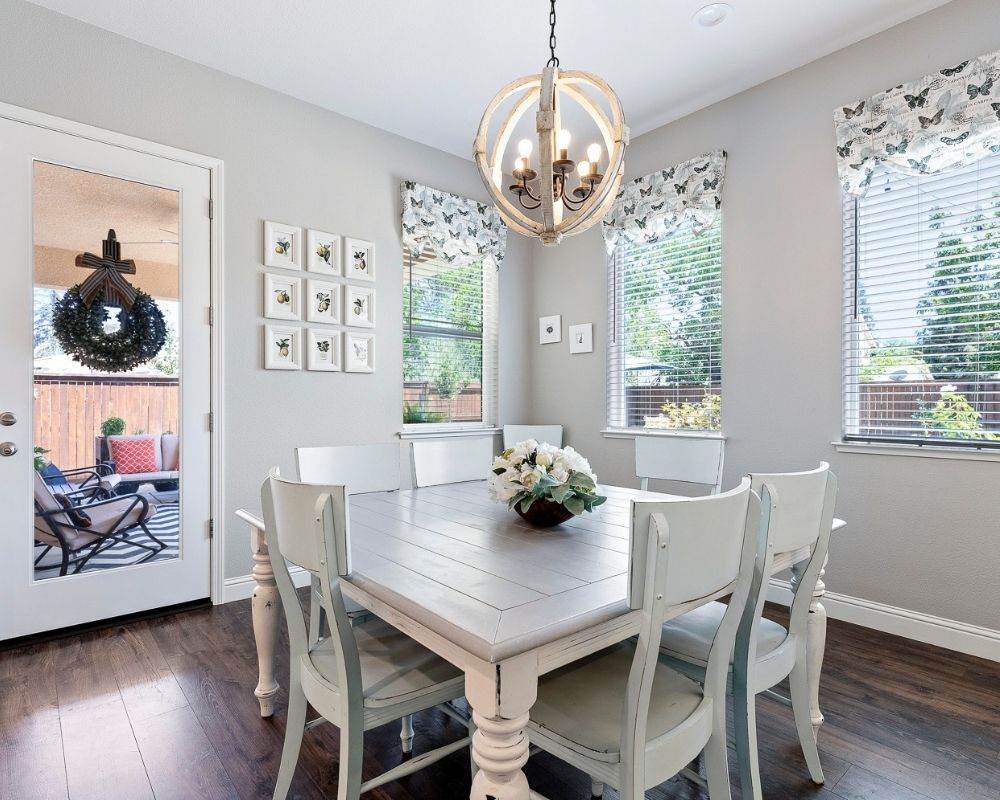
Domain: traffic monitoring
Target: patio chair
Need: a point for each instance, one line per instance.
(82, 530)
(97, 482)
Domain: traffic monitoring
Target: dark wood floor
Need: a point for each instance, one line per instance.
(164, 708)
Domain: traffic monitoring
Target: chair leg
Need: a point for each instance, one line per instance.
(295, 723)
(745, 718)
(406, 733)
(351, 758)
(798, 683)
(717, 757)
(596, 789)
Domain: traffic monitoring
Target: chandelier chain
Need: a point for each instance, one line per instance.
(553, 59)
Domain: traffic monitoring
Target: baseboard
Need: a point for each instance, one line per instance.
(242, 586)
(950, 634)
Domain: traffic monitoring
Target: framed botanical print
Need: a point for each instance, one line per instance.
(359, 260)
(322, 301)
(581, 338)
(359, 306)
(550, 329)
(282, 347)
(324, 350)
(359, 352)
(282, 245)
(322, 252)
(282, 296)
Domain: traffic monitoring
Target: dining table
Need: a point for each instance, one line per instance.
(501, 600)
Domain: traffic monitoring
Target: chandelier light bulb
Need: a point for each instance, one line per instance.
(524, 148)
(594, 153)
(563, 139)
(583, 169)
(519, 164)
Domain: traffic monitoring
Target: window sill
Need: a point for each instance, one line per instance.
(917, 451)
(408, 434)
(631, 433)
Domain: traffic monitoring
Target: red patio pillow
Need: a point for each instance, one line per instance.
(132, 456)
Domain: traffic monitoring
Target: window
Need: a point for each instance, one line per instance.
(665, 358)
(922, 308)
(449, 343)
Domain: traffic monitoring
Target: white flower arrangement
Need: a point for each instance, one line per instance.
(529, 471)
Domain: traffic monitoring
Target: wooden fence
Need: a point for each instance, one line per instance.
(466, 406)
(69, 412)
(887, 409)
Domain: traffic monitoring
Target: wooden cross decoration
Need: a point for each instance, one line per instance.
(108, 268)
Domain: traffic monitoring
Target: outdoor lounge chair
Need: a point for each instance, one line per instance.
(81, 530)
(97, 482)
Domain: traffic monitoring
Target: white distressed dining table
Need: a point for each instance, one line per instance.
(502, 601)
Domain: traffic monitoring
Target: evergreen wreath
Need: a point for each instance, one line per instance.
(79, 328)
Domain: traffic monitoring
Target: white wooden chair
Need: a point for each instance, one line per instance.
(452, 460)
(685, 459)
(621, 715)
(765, 652)
(362, 676)
(549, 434)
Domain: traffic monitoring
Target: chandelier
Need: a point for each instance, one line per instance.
(560, 209)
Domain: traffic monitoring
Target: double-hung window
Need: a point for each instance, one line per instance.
(922, 308)
(665, 354)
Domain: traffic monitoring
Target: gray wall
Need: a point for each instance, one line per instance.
(284, 160)
(923, 532)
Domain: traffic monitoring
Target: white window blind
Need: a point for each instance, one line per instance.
(665, 357)
(922, 308)
(449, 343)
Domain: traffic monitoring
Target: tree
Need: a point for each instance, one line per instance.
(45, 343)
(881, 359)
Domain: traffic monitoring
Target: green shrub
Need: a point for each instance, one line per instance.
(113, 426)
(40, 460)
(415, 414)
(952, 417)
(703, 415)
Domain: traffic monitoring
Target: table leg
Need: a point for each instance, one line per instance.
(815, 643)
(500, 696)
(266, 610)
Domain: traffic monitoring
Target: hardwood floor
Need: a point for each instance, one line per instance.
(163, 708)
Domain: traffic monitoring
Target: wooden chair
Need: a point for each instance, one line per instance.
(685, 459)
(362, 676)
(766, 653)
(621, 715)
(452, 460)
(549, 434)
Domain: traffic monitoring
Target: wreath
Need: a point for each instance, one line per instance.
(79, 328)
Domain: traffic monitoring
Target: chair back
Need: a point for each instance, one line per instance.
(687, 459)
(549, 434)
(437, 461)
(361, 468)
(688, 552)
(45, 501)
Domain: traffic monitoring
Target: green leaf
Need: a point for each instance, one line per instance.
(599, 499)
(574, 504)
(499, 471)
(559, 492)
(582, 480)
(527, 502)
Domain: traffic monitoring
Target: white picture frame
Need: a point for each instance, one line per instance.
(550, 329)
(282, 245)
(322, 302)
(581, 338)
(359, 306)
(282, 347)
(282, 296)
(359, 352)
(323, 252)
(352, 261)
(324, 350)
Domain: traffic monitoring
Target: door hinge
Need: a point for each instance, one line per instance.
(211, 315)
(211, 528)
(211, 209)
(211, 421)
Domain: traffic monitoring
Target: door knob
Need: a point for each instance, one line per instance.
(8, 418)
(7, 448)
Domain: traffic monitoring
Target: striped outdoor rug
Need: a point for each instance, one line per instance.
(165, 526)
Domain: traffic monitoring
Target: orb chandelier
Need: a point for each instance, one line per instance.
(559, 210)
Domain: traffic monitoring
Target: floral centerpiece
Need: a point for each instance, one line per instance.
(546, 485)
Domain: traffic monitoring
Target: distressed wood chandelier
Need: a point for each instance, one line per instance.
(561, 211)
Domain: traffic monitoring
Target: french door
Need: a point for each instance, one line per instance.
(105, 358)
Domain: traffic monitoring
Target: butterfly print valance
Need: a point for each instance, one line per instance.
(650, 208)
(948, 119)
(457, 229)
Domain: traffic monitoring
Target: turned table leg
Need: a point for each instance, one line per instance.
(500, 696)
(815, 643)
(266, 610)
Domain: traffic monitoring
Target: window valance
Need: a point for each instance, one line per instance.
(650, 208)
(457, 229)
(948, 119)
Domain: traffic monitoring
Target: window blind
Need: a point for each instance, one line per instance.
(449, 342)
(665, 354)
(922, 308)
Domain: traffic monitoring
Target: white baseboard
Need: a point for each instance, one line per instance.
(242, 586)
(950, 634)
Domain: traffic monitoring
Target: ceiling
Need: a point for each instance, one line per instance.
(426, 69)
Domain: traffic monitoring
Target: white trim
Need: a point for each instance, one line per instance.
(242, 586)
(918, 450)
(408, 434)
(631, 433)
(950, 634)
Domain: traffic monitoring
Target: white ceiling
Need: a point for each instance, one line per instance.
(425, 69)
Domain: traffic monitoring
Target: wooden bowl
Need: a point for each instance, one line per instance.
(544, 513)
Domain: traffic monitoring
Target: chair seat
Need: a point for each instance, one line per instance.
(690, 636)
(394, 667)
(581, 705)
(103, 520)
